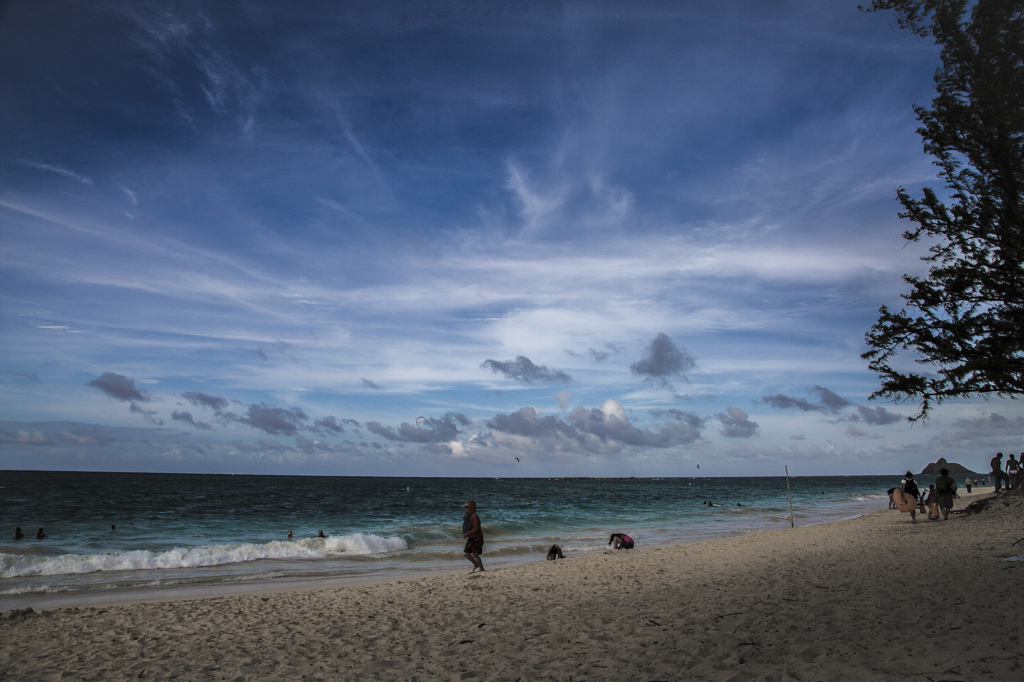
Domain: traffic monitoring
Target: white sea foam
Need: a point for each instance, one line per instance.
(14, 565)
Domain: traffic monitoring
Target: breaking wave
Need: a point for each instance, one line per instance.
(356, 544)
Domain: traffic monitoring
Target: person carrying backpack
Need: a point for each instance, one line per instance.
(945, 487)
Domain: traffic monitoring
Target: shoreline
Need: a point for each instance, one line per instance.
(101, 596)
(874, 597)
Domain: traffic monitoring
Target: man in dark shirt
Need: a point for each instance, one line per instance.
(997, 470)
(945, 488)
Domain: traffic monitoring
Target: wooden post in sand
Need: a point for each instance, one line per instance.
(788, 490)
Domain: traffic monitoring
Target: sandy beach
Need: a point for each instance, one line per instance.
(872, 598)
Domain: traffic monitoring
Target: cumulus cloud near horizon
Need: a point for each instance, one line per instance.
(25, 437)
(435, 430)
(562, 398)
(992, 425)
(737, 424)
(594, 430)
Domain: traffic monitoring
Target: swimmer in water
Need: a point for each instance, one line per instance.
(621, 541)
(18, 535)
(41, 535)
(320, 534)
(113, 528)
(290, 534)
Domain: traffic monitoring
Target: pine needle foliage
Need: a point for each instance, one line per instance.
(964, 321)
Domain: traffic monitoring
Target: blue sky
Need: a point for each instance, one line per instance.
(607, 238)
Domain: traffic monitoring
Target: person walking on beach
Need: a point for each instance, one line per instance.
(910, 489)
(997, 470)
(945, 488)
(932, 504)
(968, 482)
(473, 534)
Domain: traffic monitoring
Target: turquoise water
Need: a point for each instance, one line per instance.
(175, 529)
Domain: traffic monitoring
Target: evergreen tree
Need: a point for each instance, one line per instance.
(965, 321)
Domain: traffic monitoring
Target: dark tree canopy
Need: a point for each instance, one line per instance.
(965, 321)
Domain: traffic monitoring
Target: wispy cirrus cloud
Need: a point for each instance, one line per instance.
(59, 170)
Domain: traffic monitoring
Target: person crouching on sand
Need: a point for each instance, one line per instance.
(473, 534)
(621, 541)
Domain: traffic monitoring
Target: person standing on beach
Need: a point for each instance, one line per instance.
(1011, 472)
(945, 488)
(997, 470)
(473, 534)
(968, 483)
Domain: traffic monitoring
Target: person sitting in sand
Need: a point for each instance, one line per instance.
(555, 553)
(41, 535)
(621, 541)
(945, 488)
(473, 534)
(18, 535)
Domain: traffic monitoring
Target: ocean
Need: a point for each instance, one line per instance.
(179, 534)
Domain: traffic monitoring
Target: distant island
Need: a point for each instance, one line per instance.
(954, 468)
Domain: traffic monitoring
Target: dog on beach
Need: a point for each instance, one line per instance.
(555, 553)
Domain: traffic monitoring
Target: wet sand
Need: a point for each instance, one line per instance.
(872, 598)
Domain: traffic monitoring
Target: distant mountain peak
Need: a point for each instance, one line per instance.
(941, 463)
